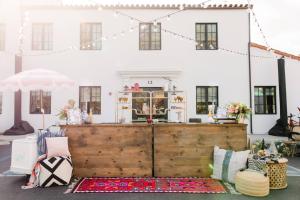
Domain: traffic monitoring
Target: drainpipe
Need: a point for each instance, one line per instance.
(250, 73)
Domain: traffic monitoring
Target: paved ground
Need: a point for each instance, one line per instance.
(10, 189)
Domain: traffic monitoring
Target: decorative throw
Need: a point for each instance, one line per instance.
(167, 185)
(55, 171)
(41, 140)
(227, 163)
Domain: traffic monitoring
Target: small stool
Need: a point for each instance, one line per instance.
(252, 183)
(277, 174)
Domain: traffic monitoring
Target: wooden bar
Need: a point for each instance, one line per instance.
(111, 150)
(142, 150)
(186, 150)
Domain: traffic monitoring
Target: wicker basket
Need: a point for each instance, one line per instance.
(277, 175)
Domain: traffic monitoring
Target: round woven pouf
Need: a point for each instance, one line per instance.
(277, 174)
(252, 183)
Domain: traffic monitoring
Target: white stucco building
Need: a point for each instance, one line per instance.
(109, 47)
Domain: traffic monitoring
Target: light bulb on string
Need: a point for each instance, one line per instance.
(114, 37)
(116, 14)
(123, 33)
(131, 29)
(131, 20)
(155, 23)
(168, 18)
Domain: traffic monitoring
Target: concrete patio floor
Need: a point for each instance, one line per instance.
(10, 189)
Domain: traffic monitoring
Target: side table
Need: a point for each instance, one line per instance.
(277, 174)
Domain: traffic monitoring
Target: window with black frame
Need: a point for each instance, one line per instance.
(90, 36)
(90, 99)
(42, 36)
(40, 100)
(2, 37)
(205, 96)
(265, 99)
(150, 36)
(207, 36)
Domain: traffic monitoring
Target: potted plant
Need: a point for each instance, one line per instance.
(239, 111)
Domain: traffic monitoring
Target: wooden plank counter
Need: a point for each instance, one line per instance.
(142, 150)
(186, 150)
(111, 150)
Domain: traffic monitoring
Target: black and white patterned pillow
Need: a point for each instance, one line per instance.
(55, 171)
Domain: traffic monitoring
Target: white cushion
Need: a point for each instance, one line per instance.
(57, 146)
(227, 163)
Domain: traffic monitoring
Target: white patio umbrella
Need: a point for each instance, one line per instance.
(36, 79)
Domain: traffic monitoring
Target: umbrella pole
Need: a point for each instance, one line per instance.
(42, 110)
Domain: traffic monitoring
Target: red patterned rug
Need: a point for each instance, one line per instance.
(183, 185)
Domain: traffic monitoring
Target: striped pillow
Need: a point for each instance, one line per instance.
(227, 163)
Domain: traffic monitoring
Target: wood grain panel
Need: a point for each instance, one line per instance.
(111, 150)
(186, 150)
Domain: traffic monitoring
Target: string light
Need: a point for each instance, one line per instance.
(116, 14)
(168, 16)
(131, 20)
(250, 9)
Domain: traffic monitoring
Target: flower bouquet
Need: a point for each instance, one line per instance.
(239, 111)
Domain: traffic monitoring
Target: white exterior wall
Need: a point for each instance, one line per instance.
(9, 16)
(198, 68)
(265, 73)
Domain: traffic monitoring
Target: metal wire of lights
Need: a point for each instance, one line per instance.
(156, 20)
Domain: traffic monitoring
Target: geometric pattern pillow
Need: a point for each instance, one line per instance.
(55, 171)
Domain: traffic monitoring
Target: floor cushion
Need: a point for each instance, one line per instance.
(55, 171)
(252, 183)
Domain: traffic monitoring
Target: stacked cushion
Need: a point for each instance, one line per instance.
(252, 183)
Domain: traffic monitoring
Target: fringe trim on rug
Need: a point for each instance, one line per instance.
(231, 188)
(72, 186)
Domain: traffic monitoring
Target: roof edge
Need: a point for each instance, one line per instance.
(282, 53)
(140, 6)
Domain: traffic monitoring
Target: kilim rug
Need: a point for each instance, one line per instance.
(156, 185)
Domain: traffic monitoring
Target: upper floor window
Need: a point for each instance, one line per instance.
(40, 100)
(90, 99)
(205, 96)
(2, 37)
(1, 96)
(150, 36)
(91, 36)
(207, 36)
(42, 36)
(265, 99)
